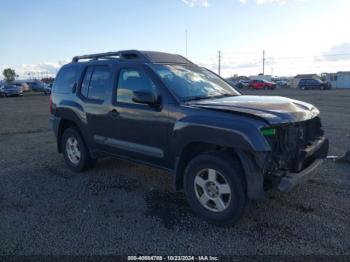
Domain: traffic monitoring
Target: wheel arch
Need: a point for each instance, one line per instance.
(250, 165)
(63, 125)
(66, 123)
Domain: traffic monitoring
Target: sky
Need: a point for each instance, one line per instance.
(298, 36)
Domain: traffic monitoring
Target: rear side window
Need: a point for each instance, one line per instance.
(65, 80)
(96, 82)
(86, 82)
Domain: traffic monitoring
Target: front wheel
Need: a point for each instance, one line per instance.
(75, 152)
(215, 188)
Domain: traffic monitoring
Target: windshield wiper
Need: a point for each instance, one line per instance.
(222, 95)
(196, 98)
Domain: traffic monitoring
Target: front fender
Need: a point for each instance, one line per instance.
(240, 133)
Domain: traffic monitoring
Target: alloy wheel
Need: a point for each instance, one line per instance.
(73, 151)
(212, 190)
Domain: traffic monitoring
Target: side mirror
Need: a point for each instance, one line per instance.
(144, 97)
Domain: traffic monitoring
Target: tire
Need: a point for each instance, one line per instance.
(72, 137)
(229, 174)
(303, 88)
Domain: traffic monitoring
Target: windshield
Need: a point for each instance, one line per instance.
(189, 82)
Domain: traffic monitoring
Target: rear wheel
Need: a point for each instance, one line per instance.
(75, 151)
(215, 188)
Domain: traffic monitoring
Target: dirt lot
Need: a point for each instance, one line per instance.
(121, 208)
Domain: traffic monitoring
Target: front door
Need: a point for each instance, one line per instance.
(136, 131)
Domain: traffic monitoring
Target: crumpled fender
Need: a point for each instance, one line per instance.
(240, 133)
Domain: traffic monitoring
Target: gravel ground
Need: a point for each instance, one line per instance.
(121, 208)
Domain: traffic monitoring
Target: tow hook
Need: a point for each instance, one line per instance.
(344, 158)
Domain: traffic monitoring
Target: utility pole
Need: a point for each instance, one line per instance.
(219, 64)
(264, 62)
(186, 41)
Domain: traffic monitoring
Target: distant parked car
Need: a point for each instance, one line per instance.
(282, 84)
(37, 86)
(242, 84)
(10, 90)
(310, 83)
(25, 87)
(47, 89)
(232, 82)
(261, 84)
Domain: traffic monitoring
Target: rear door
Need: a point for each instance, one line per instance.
(314, 83)
(95, 89)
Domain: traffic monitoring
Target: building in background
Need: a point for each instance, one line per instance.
(338, 80)
(261, 77)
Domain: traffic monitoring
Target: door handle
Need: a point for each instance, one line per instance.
(113, 113)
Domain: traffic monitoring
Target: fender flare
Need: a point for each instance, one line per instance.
(73, 118)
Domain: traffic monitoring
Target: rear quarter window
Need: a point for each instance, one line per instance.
(66, 78)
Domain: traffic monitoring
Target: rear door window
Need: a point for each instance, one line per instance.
(86, 82)
(96, 81)
(66, 79)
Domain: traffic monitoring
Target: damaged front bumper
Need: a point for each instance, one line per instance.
(292, 179)
(309, 159)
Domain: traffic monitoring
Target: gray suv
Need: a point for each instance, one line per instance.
(221, 147)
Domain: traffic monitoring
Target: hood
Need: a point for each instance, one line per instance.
(273, 109)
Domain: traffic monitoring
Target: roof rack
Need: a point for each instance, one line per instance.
(120, 55)
(135, 55)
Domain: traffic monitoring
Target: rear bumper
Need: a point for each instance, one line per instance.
(310, 159)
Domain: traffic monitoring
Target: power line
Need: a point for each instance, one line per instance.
(316, 56)
(283, 58)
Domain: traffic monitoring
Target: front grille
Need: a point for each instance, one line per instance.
(291, 139)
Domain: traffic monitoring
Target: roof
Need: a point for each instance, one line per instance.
(306, 76)
(135, 56)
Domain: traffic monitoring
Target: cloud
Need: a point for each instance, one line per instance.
(262, 2)
(50, 67)
(206, 3)
(339, 52)
(192, 3)
(46, 68)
